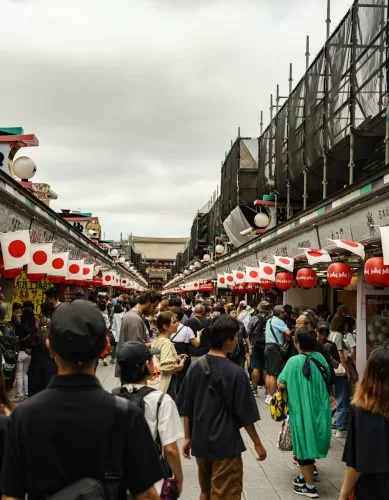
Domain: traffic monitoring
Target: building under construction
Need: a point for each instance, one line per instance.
(331, 131)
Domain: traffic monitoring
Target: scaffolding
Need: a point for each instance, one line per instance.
(332, 129)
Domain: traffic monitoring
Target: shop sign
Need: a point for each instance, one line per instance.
(364, 222)
(339, 229)
(26, 290)
(11, 220)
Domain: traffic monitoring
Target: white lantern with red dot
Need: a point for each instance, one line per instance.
(376, 272)
(284, 281)
(219, 249)
(339, 275)
(306, 278)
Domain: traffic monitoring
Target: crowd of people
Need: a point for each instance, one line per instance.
(192, 368)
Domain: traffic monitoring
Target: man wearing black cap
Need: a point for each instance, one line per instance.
(64, 434)
(136, 367)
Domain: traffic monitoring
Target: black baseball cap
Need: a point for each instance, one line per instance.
(134, 354)
(78, 332)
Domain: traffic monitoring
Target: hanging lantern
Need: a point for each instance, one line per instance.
(252, 287)
(35, 278)
(261, 220)
(197, 264)
(219, 249)
(233, 289)
(122, 260)
(267, 285)
(376, 272)
(339, 275)
(55, 280)
(114, 252)
(306, 277)
(9, 273)
(284, 281)
(241, 288)
(79, 282)
(206, 258)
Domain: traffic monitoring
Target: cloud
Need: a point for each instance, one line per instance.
(136, 102)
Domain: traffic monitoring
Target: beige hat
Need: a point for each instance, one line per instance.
(264, 307)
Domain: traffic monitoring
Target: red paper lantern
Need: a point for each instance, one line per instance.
(69, 282)
(35, 278)
(306, 277)
(55, 279)
(267, 285)
(79, 282)
(376, 272)
(233, 289)
(9, 273)
(241, 288)
(284, 281)
(252, 287)
(339, 275)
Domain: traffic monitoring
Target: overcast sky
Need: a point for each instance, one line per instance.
(134, 102)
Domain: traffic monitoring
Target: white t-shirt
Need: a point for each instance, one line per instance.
(184, 334)
(169, 422)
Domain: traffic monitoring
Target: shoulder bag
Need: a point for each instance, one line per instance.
(284, 348)
(284, 442)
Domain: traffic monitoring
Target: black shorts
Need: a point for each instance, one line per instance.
(257, 359)
(273, 360)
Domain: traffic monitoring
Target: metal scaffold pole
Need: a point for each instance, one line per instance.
(271, 139)
(353, 87)
(326, 99)
(261, 124)
(387, 87)
(305, 195)
(288, 207)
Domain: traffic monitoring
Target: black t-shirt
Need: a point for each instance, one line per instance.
(216, 417)
(367, 451)
(197, 324)
(63, 434)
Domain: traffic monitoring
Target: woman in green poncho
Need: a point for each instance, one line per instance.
(309, 408)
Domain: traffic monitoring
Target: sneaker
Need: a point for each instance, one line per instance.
(295, 461)
(306, 492)
(255, 392)
(298, 481)
(260, 387)
(266, 393)
(341, 434)
(268, 400)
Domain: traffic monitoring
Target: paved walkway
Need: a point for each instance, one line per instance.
(268, 480)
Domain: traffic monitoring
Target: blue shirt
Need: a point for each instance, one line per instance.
(279, 328)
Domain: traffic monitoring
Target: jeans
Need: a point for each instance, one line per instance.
(114, 351)
(21, 374)
(342, 396)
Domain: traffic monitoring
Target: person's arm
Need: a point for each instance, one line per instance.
(288, 332)
(4, 497)
(259, 448)
(187, 446)
(354, 354)
(350, 480)
(281, 386)
(195, 341)
(344, 363)
(150, 494)
(172, 456)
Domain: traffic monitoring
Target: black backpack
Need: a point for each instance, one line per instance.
(137, 397)
(88, 488)
(259, 332)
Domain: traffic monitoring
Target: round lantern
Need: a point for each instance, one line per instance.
(233, 289)
(24, 168)
(376, 272)
(284, 281)
(206, 258)
(35, 278)
(197, 264)
(219, 249)
(267, 284)
(79, 282)
(261, 220)
(114, 252)
(306, 277)
(252, 287)
(9, 273)
(55, 280)
(186, 272)
(122, 260)
(241, 288)
(339, 275)
(192, 268)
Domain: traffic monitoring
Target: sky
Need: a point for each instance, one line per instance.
(135, 102)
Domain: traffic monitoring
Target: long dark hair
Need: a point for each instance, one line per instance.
(372, 392)
(27, 321)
